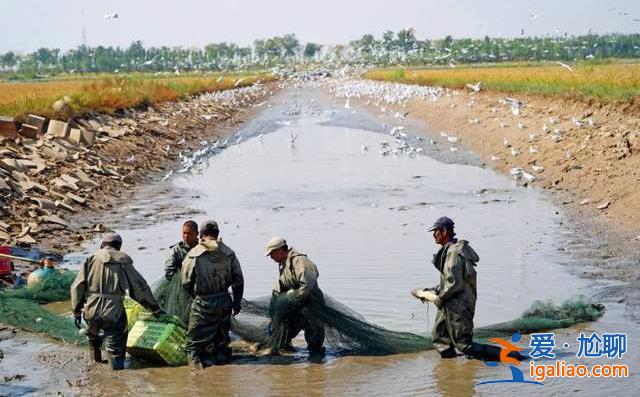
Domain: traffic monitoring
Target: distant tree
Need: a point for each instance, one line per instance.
(311, 49)
(388, 41)
(9, 59)
(290, 45)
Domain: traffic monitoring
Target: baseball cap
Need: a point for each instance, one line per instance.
(441, 223)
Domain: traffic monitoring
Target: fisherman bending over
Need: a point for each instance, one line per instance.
(298, 279)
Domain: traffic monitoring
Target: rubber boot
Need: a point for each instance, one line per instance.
(287, 347)
(317, 351)
(96, 354)
(486, 352)
(195, 363)
(117, 363)
(449, 352)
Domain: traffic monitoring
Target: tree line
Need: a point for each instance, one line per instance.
(392, 48)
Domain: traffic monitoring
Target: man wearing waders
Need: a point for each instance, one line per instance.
(298, 280)
(208, 271)
(98, 292)
(170, 293)
(179, 250)
(456, 297)
(456, 293)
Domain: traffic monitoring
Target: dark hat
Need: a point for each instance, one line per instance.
(208, 227)
(112, 238)
(442, 223)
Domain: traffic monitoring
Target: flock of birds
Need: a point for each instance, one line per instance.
(196, 159)
(384, 95)
(387, 98)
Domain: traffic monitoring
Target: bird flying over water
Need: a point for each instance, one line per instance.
(112, 16)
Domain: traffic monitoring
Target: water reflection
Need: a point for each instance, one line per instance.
(456, 378)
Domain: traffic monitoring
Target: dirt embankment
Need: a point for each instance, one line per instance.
(588, 156)
(51, 186)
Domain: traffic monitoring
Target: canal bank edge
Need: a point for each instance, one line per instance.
(133, 147)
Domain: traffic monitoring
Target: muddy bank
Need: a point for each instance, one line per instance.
(587, 157)
(50, 185)
(30, 364)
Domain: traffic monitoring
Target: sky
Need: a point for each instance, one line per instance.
(26, 25)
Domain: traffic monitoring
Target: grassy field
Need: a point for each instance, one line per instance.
(619, 82)
(105, 93)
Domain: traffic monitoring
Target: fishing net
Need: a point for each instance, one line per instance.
(21, 308)
(173, 298)
(30, 316)
(53, 288)
(264, 321)
(543, 316)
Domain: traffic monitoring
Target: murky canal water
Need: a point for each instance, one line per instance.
(360, 216)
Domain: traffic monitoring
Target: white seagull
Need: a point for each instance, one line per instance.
(564, 65)
(475, 87)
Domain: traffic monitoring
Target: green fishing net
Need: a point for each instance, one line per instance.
(262, 321)
(173, 298)
(21, 308)
(53, 288)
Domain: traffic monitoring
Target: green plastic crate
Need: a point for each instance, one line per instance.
(161, 342)
(133, 310)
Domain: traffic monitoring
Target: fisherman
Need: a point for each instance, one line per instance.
(98, 291)
(456, 298)
(47, 268)
(298, 279)
(179, 251)
(456, 293)
(208, 271)
(170, 293)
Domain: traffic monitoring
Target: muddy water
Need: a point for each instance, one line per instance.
(360, 216)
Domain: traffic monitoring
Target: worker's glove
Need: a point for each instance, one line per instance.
(438, 302)
(77, 320)
(236, 308)
(159, 312)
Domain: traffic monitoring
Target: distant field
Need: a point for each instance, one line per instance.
(105, 93)
(606, 82)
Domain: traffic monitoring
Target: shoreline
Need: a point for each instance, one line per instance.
(56, 184)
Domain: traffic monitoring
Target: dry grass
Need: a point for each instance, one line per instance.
(612, 82)
(108, 93)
